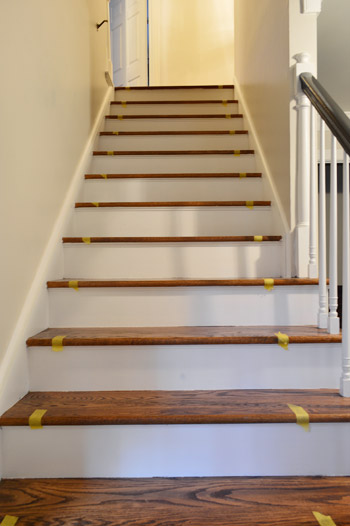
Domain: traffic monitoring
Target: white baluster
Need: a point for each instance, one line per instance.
(345, 379)
(322, 260)
(313, 199)
(333, 319)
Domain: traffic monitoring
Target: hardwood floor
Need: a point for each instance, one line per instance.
(176, 502)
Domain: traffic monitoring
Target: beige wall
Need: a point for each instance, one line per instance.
(52, 64)
(191, 42)
(262, 70)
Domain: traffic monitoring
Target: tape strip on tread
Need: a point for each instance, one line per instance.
(249, 204)
(57, 343)
(86, 240)
(237, 153)
(35, 419)
(243, 174)
(323, 520)
(283, 340)
(9, 520)
(258, 238)
(269, 283)
(104, 176)
(73, 284)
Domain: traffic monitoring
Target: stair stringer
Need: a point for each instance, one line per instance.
(262, 166)
(14, 375)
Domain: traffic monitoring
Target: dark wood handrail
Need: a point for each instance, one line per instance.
(330, 111)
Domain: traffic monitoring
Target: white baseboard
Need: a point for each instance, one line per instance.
(262, 166)
(14, 380)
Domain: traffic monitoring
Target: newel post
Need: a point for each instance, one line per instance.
(303, 108)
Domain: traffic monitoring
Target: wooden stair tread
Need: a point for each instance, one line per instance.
(150, 88)
(188, 282)
(76, 336)
(174, 176)
(205, 501)
(182, 116)
(158, 204)
(174, 152)
(197, 101)
(186, 132)
(177, 239)
(178, 407)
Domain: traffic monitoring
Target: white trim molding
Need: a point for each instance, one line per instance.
(311, 7)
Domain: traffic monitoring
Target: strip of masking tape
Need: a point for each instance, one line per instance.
(283, 340)
(243, 175)
(35, 419)
(115, 133)
(73, 284)
(124, 103)
(258, 238)
(228, 115)
(9, 520)
(323, 520)
(120, 117)
(269, 283)
(303, 418)
(57, 343)
(95, 204)
(104, 176)
(224, 102)
(237, 153)
(232, 132)
(249, 204)
(86, 240)
(110, 153)
(127, 87)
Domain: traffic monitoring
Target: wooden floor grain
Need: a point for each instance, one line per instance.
(176, 502)
(241, 406)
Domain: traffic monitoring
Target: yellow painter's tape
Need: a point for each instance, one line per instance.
(96, 204)
(86, 240)
(269, 283)
(243, 175)
(57, 343)
(232, 132)
(258, 238)
(9, 520)
(110, 153)
(104, 176)
(73, 284)
(35, 419)
(249, 204)
(228, 115)
(323, 520)
(120, 117)
(224, 102)
(220, 86)
(127, 87)
(303, 418)
(124, 103)
(237, 153)
(283, 340)
(115, 133)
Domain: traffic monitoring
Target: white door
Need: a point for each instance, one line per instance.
(128, 21)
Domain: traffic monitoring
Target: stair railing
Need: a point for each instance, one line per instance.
(332, 116)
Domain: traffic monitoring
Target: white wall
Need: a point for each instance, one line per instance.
(191, 42)
(334, 50)
(52, 64)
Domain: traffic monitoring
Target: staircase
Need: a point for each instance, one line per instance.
(167, 353)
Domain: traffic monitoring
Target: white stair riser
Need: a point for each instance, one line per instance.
(176, 451)
(173, 124)
(182, 306)
(173, 142)
(158, 260)
(173, 109)
(172, 163)
(185, 367)
(186, 221)
(175, 94)
(200, 189)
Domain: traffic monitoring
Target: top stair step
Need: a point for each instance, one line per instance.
(174, 93)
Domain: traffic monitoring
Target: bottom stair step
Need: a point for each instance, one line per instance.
(169, 502)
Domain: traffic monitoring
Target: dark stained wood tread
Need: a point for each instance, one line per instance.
(75, 336)
(204, 101)
(105, 283)
(158, 204)
(176, 176)
(214, 501)
(175, 152)
(178, 239)
(178, 407)
(189, 132)
(150, 88)
(184, 116)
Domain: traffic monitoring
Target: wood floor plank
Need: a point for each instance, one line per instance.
(224, 501)
(79, 336)
(245, 406)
